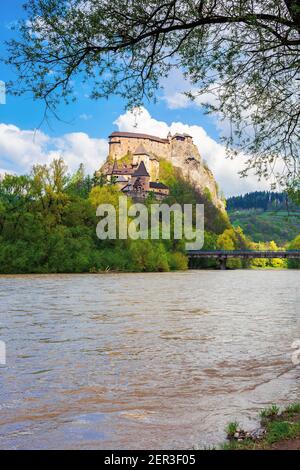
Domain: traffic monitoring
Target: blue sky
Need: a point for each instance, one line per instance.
(82, 134)
(26, 113)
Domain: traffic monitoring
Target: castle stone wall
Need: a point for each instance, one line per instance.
(120, 143)
(120, 146)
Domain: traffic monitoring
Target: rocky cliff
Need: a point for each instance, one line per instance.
(187, 158)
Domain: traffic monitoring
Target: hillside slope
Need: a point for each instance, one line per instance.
(263, 226)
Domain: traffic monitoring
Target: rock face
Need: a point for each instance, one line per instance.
(178, 149)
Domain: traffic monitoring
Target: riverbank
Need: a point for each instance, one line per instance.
(280, 430)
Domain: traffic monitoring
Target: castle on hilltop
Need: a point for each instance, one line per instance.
(134, 160)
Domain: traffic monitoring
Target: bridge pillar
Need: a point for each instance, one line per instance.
(222, 262)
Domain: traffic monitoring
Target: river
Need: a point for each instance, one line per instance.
(144, 361)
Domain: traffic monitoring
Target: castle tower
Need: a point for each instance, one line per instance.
(154, 168)
(140, 154)
(141, 178)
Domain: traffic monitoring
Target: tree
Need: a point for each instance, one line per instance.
(240, 56)
(293, 191)
(294, 245)
(80, 184)
(99, 179)
(234, 239)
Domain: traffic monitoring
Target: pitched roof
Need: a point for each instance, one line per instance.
(141, 171)
(121, 171)
(126, 188)
(140, 150)
(122, 179)
(115, 166)
(158, 185)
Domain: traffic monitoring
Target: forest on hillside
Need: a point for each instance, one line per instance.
(264, 200)
(265, 216)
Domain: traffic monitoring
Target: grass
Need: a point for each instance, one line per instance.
(235, 445)
(281, 430)
(279, 427)
(260, 226)
(232, 428)
(269, 412)
(292, 409)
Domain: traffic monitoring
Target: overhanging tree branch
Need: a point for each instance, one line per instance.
(246, 50)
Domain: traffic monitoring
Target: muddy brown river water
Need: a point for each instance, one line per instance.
(144, 361)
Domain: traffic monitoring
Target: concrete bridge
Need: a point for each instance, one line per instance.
(223, 255)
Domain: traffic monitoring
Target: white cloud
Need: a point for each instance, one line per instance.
(85, 117)
(20, 149)
(174, 89)
(174, 95)
(224, 169)
(140, 120)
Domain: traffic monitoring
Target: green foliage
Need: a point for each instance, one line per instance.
(269, 412)
(292, 409)
(148, 256)
(99, 179)
(262, 226)
(244, 54)
(280, 430)
(48, 224)
(234, 239)
(278, 427)
(210, 243)
(126, 159)
(207, 194)
(293, 191)
(104, 195)
(182, 192)
(231, 429)
(294, 245)
(267, 262)
(167, 173)
(264, 200)
(177, 261)
(79, 184)
(265, 215)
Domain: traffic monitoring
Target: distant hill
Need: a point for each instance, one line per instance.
(265, 200)
(265, 216)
